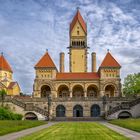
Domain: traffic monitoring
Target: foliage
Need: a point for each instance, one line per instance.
(132, 84)
(7, 126)
(6, 114)
(2, 95)
(76, 131)
(133, 124)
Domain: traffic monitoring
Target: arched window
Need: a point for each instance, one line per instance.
(45, 91)
(110, 91)
(124, 115)
(63, 91)
(60, 111)
(78, 91)
(92, 91)
(95, 110)
(30, 116)
(78, 111)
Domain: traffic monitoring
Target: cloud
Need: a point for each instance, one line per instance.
(28, 28)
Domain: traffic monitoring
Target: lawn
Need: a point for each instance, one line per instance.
(75, 131)
(133, 124)
(13, 126)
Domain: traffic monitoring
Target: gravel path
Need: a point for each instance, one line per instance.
(126, 132)
(16, 135)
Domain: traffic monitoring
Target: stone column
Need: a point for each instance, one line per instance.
(70, 94)
(85, 93)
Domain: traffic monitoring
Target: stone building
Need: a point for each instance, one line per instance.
(77, 93)
(6, 78)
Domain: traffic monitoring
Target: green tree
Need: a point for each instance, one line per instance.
(132, 84)
(2, 96)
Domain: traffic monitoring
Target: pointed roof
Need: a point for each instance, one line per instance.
(4, 65)
(79, 18)
(109, 61)
(45, 61)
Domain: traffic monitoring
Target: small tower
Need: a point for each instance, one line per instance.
(78, 44)
(45, 68)
(93, 60)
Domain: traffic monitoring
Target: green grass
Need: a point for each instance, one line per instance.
(13, 126)
(75, 131)
(133, 124)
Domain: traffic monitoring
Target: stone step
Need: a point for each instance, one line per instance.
(78, 118)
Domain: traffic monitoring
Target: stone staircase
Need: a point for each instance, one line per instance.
(123, 105)
(31, 108)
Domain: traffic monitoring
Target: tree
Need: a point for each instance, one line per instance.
(2, 95)
(132, 84)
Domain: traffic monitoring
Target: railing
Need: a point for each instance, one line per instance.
(32, 108)
(124, 105)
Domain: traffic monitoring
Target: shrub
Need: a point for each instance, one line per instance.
(6, 114)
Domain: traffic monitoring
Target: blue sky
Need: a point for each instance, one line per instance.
(29, 27)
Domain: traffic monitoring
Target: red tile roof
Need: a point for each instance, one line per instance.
(79, 18)
(11, 85)
(77, 76)
(4, 65)
(45, 61)
(109, 61)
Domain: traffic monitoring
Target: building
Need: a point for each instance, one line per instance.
(6, 78)
(77, 93)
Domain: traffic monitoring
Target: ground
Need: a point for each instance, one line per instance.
(133, 124)
(75, 131)
(13, 126)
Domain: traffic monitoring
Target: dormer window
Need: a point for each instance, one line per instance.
(77, 32)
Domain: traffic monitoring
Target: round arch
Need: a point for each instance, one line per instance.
(92, 91)
(95, 110)
(45, 91)
(124, 115)
(60, 111)
(63, 91)
(77, 91)
(30, 116)
(77, 111)
(110, 90)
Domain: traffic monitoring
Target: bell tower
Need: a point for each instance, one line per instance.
(78, 44)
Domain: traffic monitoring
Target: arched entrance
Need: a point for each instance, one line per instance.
(63, 91)
(110, 91)
(92, 91)
(45, 91)
(124, 115)
(78, 91)
(60, 111)
(95, 110)
(78, 111)
(31, 116)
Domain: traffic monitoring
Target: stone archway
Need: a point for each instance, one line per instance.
(110, 90)
(95, 110)
(30, 116)
(78, 111)
(77, 91)
(45, 91)
(92, 91)
(63, 91)
(60, 111)
(124, 115)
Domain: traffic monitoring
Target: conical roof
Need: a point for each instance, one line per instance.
(79, 18)
(4, 65)
(45, 61)
(109, 61)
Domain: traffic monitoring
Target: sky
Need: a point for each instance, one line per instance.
(29, 27)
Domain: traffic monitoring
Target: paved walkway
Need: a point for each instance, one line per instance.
(16, 135)
(126, 132)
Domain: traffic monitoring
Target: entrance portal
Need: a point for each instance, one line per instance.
(78, 111)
